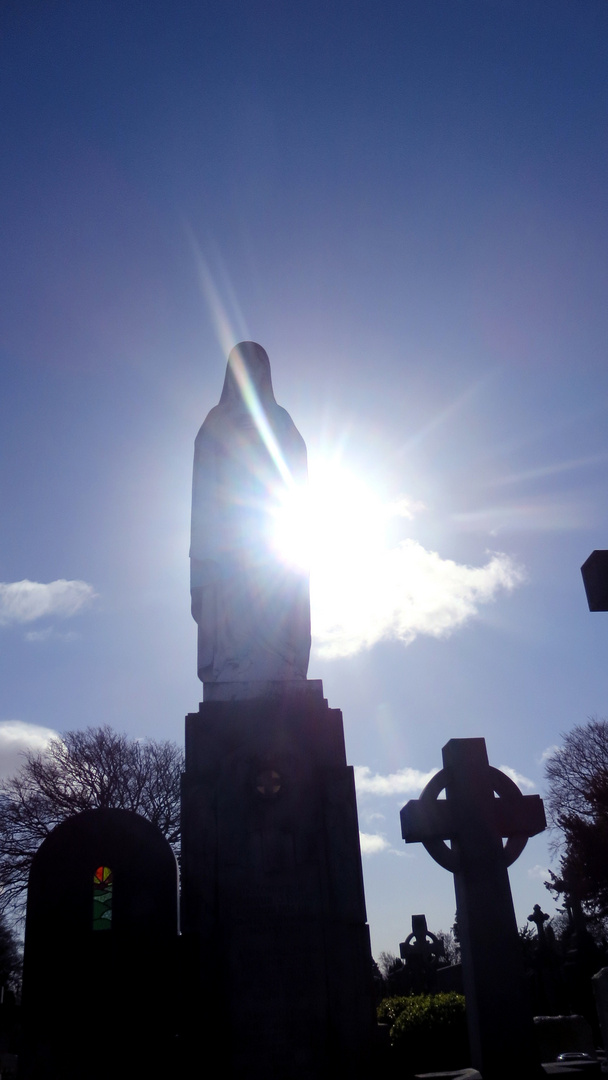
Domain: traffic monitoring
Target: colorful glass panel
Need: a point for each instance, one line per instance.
(102, 898)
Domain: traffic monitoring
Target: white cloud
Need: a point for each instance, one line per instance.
(539, 873)
(15, 737)
(365, 586)
(400, 593)
(403, 782)
(516, 777)
(25, 601)
(549, 752)
(372, 843)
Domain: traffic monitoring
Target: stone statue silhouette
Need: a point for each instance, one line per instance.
(252, 608)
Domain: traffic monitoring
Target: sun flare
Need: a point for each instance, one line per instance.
(366, 586)
(335, 527)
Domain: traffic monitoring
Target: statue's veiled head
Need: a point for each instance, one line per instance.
(248, 368)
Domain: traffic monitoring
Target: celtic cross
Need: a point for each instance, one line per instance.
(481, 808)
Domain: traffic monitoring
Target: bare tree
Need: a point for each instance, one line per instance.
(451, 947)
(388, 963)
(83, 770)
(577, 804)
(577, 773)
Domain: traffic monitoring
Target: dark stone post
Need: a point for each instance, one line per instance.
(474, 820)
(595, 580)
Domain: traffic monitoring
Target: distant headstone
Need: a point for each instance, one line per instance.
(474, 820)
(544, 968)
(539, 918)
(99, 983)
(421, 952)
(595, 580)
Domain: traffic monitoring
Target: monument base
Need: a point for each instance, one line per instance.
(270, 689)
(273, 913)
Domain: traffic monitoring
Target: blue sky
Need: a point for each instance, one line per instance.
(405, 203)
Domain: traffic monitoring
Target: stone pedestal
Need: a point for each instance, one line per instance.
(276, 948)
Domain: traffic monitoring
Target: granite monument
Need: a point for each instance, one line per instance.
(279, 969)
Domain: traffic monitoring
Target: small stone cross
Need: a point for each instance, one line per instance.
(539, 917)
(595, 580)
(416, 943)
(421, 951)
(482, 805)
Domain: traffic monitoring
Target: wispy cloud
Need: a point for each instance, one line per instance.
(406, 591)
(539, 873)
(516, 777)
(50, 632)
(372, 843)
(536, 515)
(551, 470)
(549, 752)
(25, 601)
(403, 782)
(15, 737)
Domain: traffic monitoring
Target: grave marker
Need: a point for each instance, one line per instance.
(421, 952)
(474, 820)
(101, 940)
(539, 918)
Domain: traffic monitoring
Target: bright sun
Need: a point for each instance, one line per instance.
(337, 528)
(332, 524)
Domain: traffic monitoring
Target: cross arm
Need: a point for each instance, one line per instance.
(524, 816)
(426, 820)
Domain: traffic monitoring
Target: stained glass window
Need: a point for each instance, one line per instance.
(102, 898)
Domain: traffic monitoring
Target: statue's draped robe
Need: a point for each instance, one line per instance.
(254, 611)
